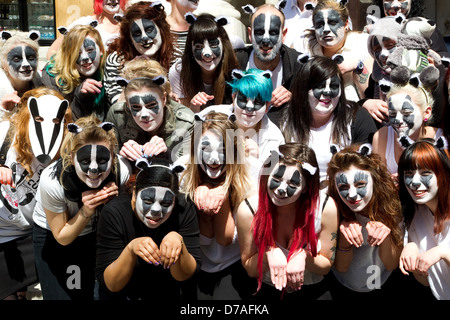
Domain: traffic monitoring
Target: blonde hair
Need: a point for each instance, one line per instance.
(90, 133)
(236, 178)
(148, 68)
(63, 64)
(420, 96)
(16, 39)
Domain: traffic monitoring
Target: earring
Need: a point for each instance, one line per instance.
(425, 120)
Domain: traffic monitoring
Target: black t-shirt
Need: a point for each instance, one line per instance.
(118, 225)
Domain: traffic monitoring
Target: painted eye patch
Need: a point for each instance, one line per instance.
(267, 30)
(283, 184)
(247, 104)
(360, 181)
(208, 49)
(22, 57)
(425, 177)
(143, 30)
(93, 158)
(328, 88)
(147, 101)
(88, 51)
(328, 20)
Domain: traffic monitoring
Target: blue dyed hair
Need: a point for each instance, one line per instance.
(253, 84)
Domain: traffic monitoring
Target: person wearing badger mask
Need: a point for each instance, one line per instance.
(69, 197)
(18, 67)
(269, 53)
(148, 238)
(26, 150)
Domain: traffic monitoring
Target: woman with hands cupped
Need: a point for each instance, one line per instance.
(71, 193)
(287, 232)
(148, 238)
(370, 235)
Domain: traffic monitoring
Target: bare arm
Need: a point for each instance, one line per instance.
(249, 251)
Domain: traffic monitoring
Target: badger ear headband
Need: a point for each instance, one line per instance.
(305, 165)
(75, 129)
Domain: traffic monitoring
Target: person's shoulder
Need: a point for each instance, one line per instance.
(182, 113)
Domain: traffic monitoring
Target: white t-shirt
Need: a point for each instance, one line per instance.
(296, 22)
(277, 73)
(50, 195)
(421, 232)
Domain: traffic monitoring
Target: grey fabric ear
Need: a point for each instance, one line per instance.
(222, 21)
(199, 117)
(142, 163)
(249, 9)
(157, 5)
(63, 30)
(237, 74)
(177, 169)
(107, 126)
(119, 17)
(441, 143)
(74, 128)
(338, 58)
(267, 74)
(334, 149)
(122, 81)
(309, 6)
(405, 141)
(365, 149)
(159, 80)
(303, 58)
(94, 23)
(34, 35)
(281, 4)
(6, 35)
(190, 17)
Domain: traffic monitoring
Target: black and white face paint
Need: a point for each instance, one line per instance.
(189, 4)
(89, 57)
(393, 7)
(22, 63)
(248, 112)
(147, 108)
(355, 187)
(267, 36)
(111, 6)
(146, 37)
(329, 28)
(421, 185)
(154, 205)
(382, 47)
(46, 126)
(93, 163)
(208, 54)
(324, 98)
(404, 115)
(211, 155)
(285, 184)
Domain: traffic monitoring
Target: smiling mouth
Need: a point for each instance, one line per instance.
(147, 45)
(353, 202)
(419, 193)
(86, 65)
(325, 101)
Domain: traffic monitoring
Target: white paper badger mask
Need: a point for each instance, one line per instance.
(46, 126)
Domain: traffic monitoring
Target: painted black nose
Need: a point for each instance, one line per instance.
(44, 158)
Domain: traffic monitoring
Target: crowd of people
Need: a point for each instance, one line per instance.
(149, 158)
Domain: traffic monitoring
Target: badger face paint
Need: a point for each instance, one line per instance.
(355, 187)
(154, 205)
(404, 115)
(324, 98)
(190, 4)
(329, 28)
(22, 63)
(146, 37)
(89, 57)
(111, 6)
(285, 184)
(146, 106)
(93, 163)
(267, 36)
(46, 126)
(421, 185)
(393, 7)
(211, 155)
(248, 112)
(381, 48)
(208, 54)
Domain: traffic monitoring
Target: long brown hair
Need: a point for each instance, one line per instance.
(205, 27)
(123, 44)
(385, 203)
